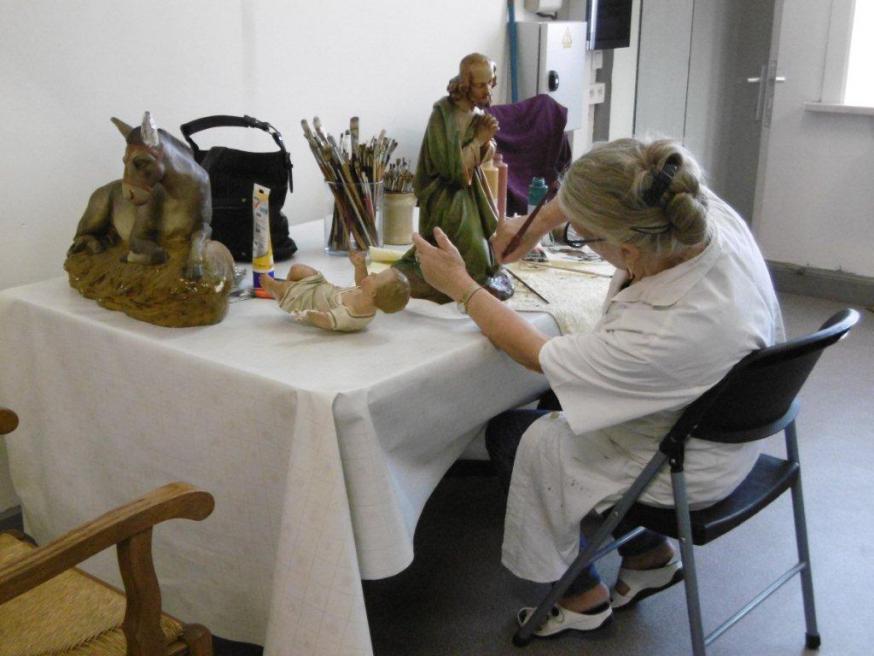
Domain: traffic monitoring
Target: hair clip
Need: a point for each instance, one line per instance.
(661, 182)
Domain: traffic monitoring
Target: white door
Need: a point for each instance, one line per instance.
(706, 77)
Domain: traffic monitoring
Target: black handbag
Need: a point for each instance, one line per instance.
(232, 174)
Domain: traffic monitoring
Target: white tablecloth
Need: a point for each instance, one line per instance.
(320, 448)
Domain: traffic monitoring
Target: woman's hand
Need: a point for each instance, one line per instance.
(549, 217)
(507, 229)
(442, 266)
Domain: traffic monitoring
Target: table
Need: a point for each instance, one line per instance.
(320, 448)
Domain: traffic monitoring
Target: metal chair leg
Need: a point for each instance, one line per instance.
(684, 531)
(812, 638)
(524, 633)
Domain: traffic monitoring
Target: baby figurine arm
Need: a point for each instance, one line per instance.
(359, 261)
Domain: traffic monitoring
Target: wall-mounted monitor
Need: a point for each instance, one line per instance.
(609, 23)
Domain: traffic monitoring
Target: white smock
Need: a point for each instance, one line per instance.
(659, 345)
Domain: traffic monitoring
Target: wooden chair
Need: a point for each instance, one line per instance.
(48, 606)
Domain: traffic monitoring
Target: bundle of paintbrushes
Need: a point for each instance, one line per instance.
(354, 172)
(399, 178)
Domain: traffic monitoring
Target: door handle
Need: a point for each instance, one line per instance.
(552, 80)
(760, 98)
(756, 80)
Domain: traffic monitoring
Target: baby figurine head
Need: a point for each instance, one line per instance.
(389, 289)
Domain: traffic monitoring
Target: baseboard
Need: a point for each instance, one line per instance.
(822, 283)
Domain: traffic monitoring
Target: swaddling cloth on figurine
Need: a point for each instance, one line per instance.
(316, 293)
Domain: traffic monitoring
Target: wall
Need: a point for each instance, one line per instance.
(66, 67)
(663, 68)
(818, 206)
(623, 81)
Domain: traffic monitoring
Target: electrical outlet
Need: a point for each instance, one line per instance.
(596, 93)
(597, 59)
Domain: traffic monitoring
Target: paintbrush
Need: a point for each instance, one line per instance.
(353, 129)
(517, 238)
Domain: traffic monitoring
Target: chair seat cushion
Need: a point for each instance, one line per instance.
(72, 614)
(768, 480)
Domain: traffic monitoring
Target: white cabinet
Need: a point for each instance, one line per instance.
(552, 59)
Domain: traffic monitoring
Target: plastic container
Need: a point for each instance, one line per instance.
(491, 173)
(397, 219)
(503, 173)
(536, 191)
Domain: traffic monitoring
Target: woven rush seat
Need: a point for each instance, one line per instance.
(72, 614)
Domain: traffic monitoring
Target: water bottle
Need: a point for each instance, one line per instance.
(536, 191)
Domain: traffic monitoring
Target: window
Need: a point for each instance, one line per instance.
(847, 83)
(859, 87)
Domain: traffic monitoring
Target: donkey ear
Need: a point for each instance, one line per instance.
(149, 131)
(123, 127)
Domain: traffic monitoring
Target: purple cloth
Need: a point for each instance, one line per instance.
(533, 143)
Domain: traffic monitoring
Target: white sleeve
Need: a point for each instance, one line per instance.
(605, 378)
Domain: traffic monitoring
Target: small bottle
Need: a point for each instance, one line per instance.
(536, 191)
(491, 172)
(503, 172)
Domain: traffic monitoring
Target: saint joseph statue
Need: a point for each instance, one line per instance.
(452, 190)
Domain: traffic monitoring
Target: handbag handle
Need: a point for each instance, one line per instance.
(224, 120)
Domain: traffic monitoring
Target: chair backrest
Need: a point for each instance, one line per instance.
(757, 397)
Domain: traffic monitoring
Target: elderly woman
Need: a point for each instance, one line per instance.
(690, 297)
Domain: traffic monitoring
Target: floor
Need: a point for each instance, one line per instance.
(457, 599)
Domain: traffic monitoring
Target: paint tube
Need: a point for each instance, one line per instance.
(262, 250)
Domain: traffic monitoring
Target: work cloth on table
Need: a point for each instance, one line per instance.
(573, 295)
(320, 448)
(316, 293)
(661, 343)
(533, 143)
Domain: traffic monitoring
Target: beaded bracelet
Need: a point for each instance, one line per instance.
(465, 299)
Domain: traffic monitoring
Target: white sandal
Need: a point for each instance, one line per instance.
(561, 619)
(645, 582)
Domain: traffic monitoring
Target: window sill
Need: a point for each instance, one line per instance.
(838, 108)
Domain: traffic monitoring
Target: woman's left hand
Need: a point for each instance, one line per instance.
(442, 265)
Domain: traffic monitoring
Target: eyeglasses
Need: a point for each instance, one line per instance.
(572, 238)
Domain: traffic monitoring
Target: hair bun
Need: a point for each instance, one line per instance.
(687, 214)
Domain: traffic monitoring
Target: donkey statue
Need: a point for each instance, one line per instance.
(164, 194)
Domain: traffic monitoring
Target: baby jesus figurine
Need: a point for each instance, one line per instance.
(309, 298)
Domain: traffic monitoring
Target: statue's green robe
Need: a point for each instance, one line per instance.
(460, 207)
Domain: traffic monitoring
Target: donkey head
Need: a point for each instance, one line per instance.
(143, 159)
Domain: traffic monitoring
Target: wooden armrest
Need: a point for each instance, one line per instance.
(8, 421)
(172, 501)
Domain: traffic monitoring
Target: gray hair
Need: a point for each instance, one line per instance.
(616, 191)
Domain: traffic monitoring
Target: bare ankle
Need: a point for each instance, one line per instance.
(584, 601)
(656, 557)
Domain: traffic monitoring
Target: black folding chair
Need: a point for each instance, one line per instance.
(755, 400)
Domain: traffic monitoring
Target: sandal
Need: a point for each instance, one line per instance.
(645, 582)
(561, 619)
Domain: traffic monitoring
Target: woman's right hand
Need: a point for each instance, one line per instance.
(507, 229)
